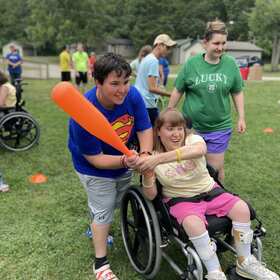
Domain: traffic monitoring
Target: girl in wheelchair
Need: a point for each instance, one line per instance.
(179, 164)
(7, 92)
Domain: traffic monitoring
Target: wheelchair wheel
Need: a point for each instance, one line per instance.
(141, 233)
(18, 131)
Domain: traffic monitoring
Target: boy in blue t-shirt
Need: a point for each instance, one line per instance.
(102, 169)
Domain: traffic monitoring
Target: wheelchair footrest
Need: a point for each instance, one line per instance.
(232, 275)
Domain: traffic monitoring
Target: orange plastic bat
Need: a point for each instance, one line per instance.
(68, 98)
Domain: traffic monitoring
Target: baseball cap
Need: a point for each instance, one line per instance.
(164, 39)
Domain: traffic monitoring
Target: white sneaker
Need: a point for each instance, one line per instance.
(216, 275)
(251, 268)
(4, 188)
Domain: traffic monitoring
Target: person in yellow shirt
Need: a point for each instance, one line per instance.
(65, 64)
(7, 92)
(80, 65)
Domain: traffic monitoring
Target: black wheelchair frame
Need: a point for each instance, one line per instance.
(19, 131)
(148, 230)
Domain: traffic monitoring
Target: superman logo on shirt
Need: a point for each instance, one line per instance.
(123, 127)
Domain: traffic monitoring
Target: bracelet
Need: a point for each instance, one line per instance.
(149, 186)
(145, 153)
(178, 155)
(122, 161)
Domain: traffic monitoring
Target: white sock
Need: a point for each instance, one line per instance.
(206, 249)
(243, 248)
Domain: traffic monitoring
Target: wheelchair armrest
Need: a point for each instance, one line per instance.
(213, 172)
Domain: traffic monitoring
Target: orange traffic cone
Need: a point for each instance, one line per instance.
(38, 178)
(268, 130)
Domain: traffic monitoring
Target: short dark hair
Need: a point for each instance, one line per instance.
(108, 63)
(3, 78)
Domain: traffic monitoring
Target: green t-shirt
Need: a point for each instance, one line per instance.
(207, 89)
(80, 60)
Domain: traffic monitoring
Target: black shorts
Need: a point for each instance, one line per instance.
(65, 76)
(82, 78)
(153, 114)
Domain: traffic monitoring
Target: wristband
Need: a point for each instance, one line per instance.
(178, 155)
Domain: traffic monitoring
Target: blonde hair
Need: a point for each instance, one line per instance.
(174, 118)
(215, 27)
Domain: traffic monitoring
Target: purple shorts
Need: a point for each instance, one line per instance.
(219, 206)
(216, 141)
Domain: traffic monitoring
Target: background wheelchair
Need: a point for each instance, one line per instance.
(19, 131)
(148, 230)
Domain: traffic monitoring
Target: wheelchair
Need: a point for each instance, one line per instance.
(19, 131)
(148, 230)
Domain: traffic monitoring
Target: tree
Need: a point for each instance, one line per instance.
(264, 21)
(236, 17)
(13, 20)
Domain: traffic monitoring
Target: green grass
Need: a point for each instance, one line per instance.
(42, 226)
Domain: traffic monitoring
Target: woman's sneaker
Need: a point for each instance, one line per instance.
(216, 275)
(4, 188)
(105, 273)
(251, 268)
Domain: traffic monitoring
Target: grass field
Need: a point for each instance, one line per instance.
(42, 227)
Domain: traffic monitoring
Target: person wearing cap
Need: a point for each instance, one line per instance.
(147, 81)
(14, 61)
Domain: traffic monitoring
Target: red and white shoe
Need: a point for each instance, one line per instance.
(105, 273)
(4, 188)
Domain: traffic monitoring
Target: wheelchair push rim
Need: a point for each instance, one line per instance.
(18, 131)
(140, 232)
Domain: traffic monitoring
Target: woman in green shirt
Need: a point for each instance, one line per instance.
(208, 80)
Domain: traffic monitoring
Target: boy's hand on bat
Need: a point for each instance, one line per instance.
(131, 161)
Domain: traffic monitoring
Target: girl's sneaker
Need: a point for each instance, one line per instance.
(251, 268)
(4, 188)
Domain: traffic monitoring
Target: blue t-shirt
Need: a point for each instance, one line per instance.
(14, 58)
(165, 65)
(149, 66)
(126, 119)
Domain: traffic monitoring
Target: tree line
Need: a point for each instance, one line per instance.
(47, 25)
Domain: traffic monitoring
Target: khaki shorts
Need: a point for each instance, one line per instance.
(104, 195)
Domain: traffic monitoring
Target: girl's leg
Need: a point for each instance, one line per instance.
(241, 229)
(247, 265)
(206, 249)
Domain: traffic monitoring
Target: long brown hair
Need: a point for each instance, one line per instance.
(215, 27)
(174, 118)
